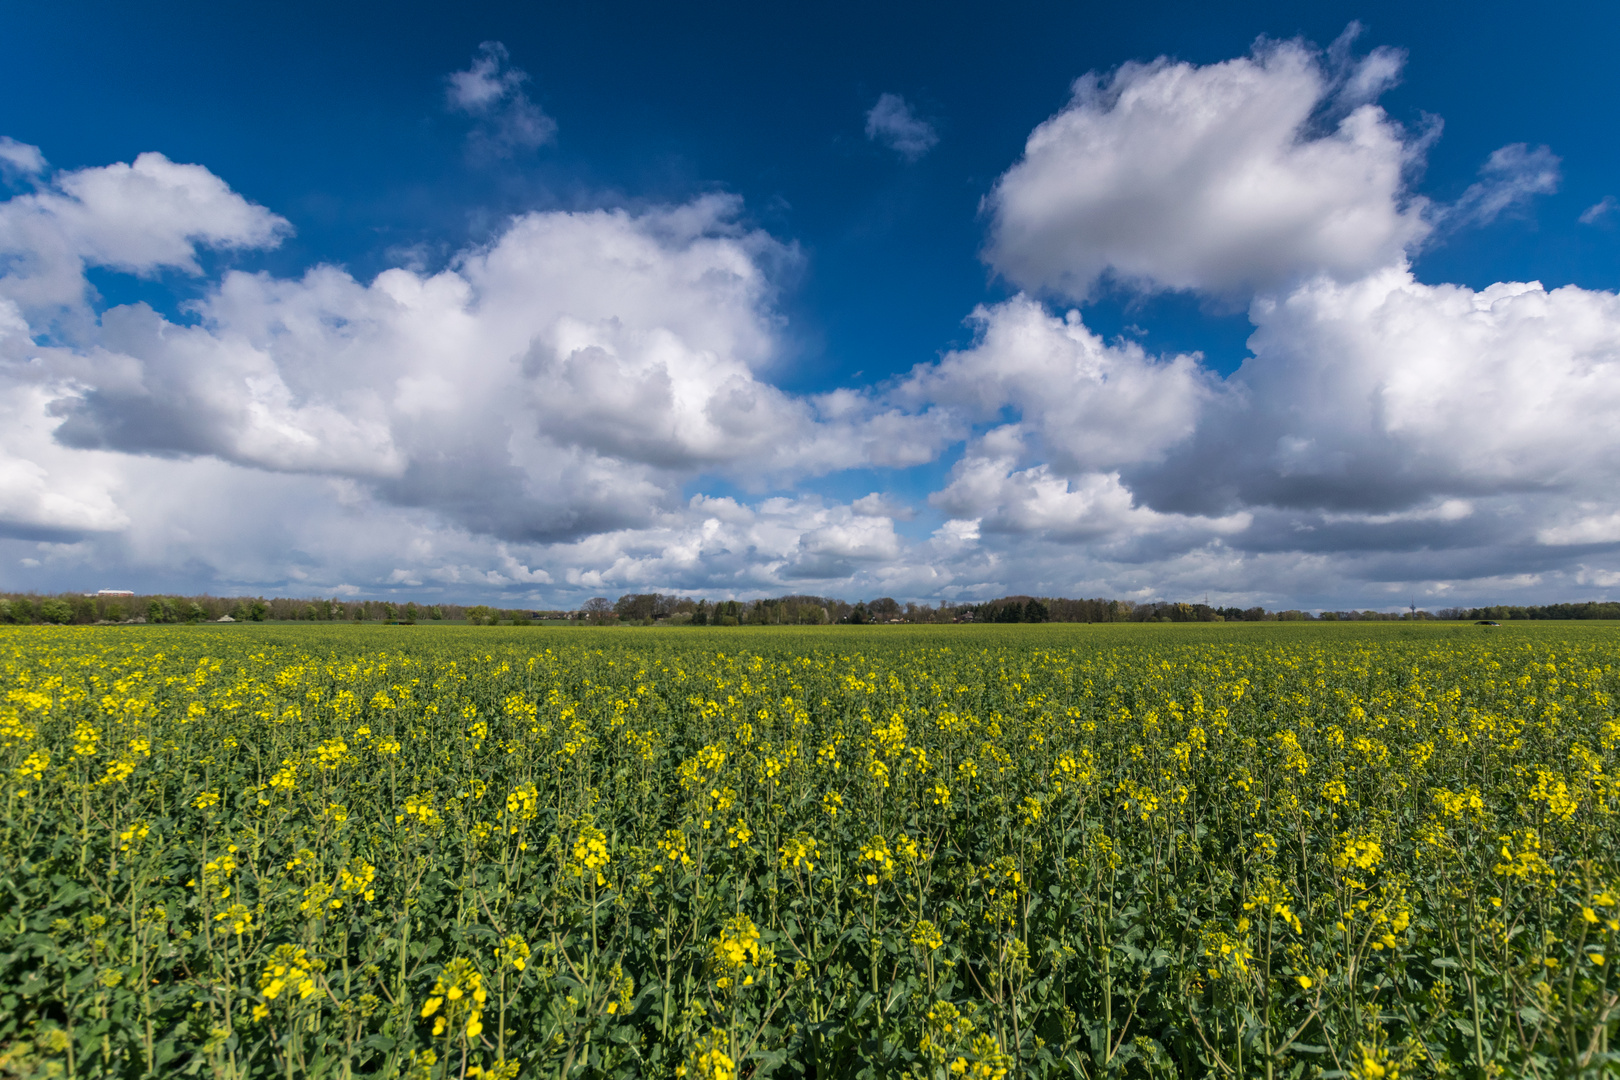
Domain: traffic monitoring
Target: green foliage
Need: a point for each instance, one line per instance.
(1134, 851)
(55, 611)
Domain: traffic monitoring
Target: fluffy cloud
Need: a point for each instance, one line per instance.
(565, 381)
(991, 490)
(123, 520)
(1384, 433)
(1386, 394)
(892, 123)
(567, 378)
(1230, 177)
(47, 491)
(1085, 405)
(1390, 435)
(879, 504)
(19, 158)
(491, 90)
(139, 218)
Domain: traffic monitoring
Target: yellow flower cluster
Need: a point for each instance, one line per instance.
(590, 853)
(709, 1060)
(738, 944)
(457, 1001)
(513, 952)
(290, 971)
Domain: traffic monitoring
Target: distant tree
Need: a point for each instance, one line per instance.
(1009, 610)
(598, 610)
(481, 615)
(726, 613)
(55, 611)
(765, 613)
(883, 609)
(637, 607)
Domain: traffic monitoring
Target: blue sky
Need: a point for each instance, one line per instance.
(211, 443)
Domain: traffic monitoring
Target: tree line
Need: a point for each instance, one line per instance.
(646, 609)
(80, 609)
(649, 608)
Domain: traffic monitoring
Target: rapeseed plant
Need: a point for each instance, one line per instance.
(980, 852)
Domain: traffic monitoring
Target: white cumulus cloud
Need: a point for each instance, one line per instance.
(567, 377)
(20, 158)
(142, 217)
(1002, 498)
(1386, 393)
(564, 381)
(1228, 177)
(1085, 404)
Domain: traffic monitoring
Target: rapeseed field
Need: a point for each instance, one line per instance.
(1064, 851)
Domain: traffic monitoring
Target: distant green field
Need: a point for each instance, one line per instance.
(1198, 849)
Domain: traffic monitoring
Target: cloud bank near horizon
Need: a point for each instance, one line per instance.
(592, 401)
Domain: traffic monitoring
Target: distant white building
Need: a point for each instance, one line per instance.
(224, 618)
(115, 592)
